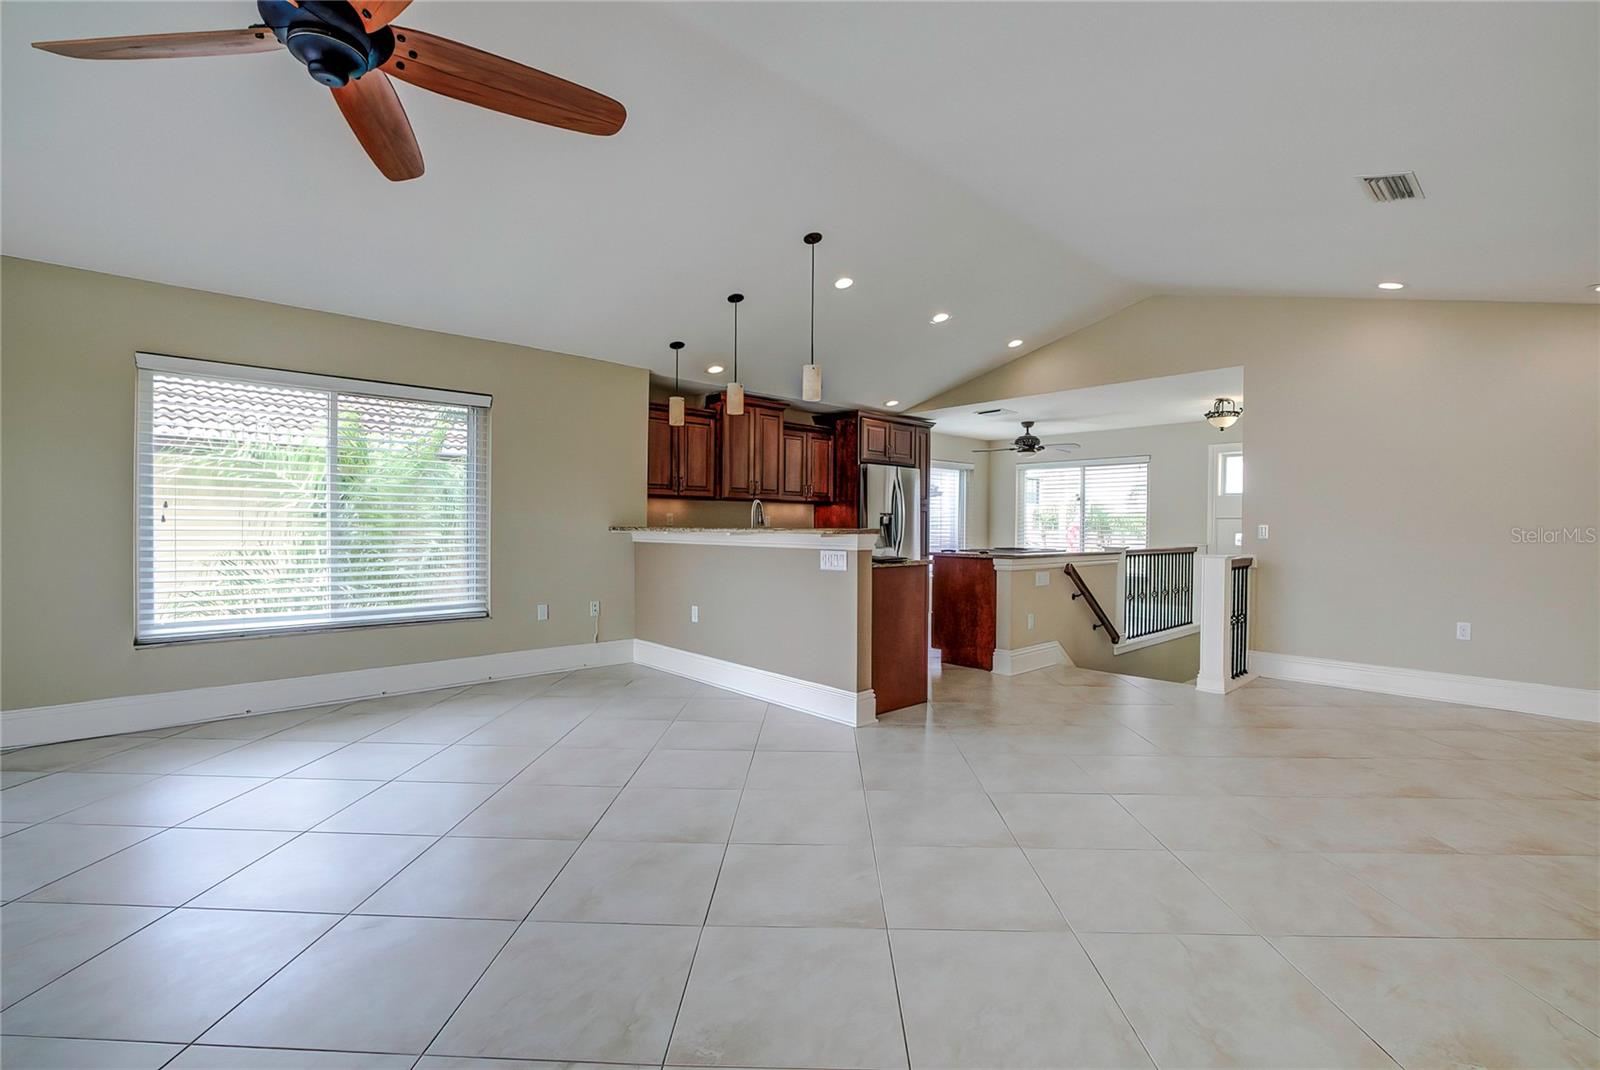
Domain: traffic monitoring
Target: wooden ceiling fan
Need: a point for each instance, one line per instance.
(352, 48)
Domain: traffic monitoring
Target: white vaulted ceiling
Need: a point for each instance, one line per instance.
(1027, 167)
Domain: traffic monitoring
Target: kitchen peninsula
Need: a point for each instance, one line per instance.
(801, 617)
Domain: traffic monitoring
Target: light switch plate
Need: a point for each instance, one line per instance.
(1261, 531)
(1041, 579)
(544, 610)
(835, 561)
(694, 614)
(1030, 622)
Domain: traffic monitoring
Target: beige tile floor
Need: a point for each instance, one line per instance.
(619, 867)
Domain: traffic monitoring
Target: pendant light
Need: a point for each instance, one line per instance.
(675, 402)
(811, 374)
(735, 405)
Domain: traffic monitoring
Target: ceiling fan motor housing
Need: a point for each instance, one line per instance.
(329, 37)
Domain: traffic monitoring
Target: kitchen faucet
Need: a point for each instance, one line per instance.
(758, 515)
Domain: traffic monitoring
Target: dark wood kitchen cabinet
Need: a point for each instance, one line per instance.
(888, 442)
(807, 474)
(681, 462)
(751, 447)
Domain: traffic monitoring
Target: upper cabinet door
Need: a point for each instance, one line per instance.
(874, 441)
(766, 462)
(792, 477)
(658, 455)
(696, 457)
(902, 445)
(819, 466)
(736, 454)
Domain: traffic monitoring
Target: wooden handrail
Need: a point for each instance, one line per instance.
(1094, 605)
(1242, 562)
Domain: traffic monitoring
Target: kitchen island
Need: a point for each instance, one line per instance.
(797, 616)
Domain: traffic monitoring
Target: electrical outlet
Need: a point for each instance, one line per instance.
(1041, 579)
(594, 608)
(1030, 622)
(694, 614)
(1463, 629)
(543, 610)
(1261, 532)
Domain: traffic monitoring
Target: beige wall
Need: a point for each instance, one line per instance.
(66, 516)
(958, 449)
(1393, 446)
(766, 607)
(1178, 469)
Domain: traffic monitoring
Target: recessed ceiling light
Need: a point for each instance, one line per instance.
(844, 283)
(715, 369)
(890, 404)
(1391, 286)
(1014, 343)
(939, 317)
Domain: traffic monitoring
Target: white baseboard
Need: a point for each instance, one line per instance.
(1569, 703)
(854, 708)
(169, 709)
(1224, 686)
(1028, 658)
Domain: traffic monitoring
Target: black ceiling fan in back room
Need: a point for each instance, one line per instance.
(352, 48)
(1028, 442)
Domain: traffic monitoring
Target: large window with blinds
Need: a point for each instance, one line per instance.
(1084, 506)
(947, 507)
(273, 501)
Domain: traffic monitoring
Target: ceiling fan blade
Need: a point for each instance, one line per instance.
(489, 81)
(376, 13)
(998, 449)
(1068, 446)
(373, 110)
(167, 45)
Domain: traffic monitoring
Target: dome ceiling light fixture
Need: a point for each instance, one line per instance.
(1224, 413)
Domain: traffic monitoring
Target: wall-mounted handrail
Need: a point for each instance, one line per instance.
(1093, 603)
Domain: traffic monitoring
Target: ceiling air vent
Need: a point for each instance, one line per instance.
(996, 412)
(1401, 187)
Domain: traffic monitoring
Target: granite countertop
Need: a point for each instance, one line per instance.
(923, 563)
(747, 531)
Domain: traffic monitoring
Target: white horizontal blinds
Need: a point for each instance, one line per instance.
(265, 505)
(1084, 507)
(1050, 509)
(1115, 506)
(946, 509)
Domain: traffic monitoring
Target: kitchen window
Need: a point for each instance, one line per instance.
(1084, 506)
(947, 507)
(272, 501)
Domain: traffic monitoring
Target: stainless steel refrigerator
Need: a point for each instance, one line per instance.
(892, 502)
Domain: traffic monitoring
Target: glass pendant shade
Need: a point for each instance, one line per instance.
(735, 395)
(811, 382)
(1224, 413)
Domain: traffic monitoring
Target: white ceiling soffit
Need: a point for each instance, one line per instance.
(1217, 146)
(238, 175)
(1172, 399)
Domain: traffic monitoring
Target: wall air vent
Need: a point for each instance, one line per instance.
(1385, 188)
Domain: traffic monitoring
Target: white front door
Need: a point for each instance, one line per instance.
(1226, 498)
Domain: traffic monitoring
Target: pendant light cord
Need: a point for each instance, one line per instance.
(813, 302)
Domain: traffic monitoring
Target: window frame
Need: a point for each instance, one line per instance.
(964, 472)
(1023, 468)
(480, 430)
